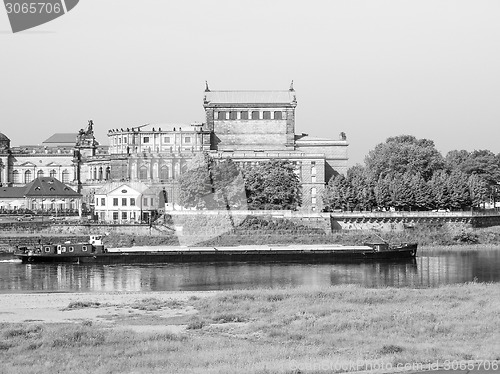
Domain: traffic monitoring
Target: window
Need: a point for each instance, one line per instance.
(47, 249)
(313, 200)
(255, 114)
(103, 201)
(84, 248)
(96, 201)
(221, 115)
(119, 140)
(143, 173)
(27, 176)
(244, 115)
(313, 191)
(166, 139)
(152, 201)
(145, 139)
(313, 179)
(164, 173)
(52, 174)
(63, 249)
(132, 201)
(15, 176)
(278, 115)
(233, 115)
(145, 201)
(124, 215)
(65, 176)
(125, 141)
(71, 249)
(267, 114)
(115, 201)
(39, 174)
(115, 216)
(124, 201)
(187, 139)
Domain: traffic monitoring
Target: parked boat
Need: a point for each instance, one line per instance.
(94, 251)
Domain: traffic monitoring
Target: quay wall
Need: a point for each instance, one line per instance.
(188, 227)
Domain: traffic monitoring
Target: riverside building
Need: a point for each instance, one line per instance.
(246, 126)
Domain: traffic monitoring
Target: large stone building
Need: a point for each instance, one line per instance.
(247, 126)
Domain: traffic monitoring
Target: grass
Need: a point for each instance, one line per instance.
(302, 330)
(83, 304)
(154, 304)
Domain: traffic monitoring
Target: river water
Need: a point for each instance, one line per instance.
(427, 270)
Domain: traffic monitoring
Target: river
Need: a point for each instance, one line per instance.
(429, 269)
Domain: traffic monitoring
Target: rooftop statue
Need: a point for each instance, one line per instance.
(86, 137)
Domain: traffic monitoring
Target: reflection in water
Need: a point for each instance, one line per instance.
(426, 271)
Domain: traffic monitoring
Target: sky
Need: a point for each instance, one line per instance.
(372, 69)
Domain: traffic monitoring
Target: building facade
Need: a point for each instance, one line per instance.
(246, 126)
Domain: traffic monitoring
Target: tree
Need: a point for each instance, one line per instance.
(382, 192)
(196, 189)
(458, 188)
(208, 184)
(273, 185)
(477, 189)
(333, 194)
(483, 163)
(400, 190)
(360, 195)
(421, 193)
(439, 190)
(455, 159)
(404, 154)
(229, 186)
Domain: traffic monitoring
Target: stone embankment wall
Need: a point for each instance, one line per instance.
(191, 227)
(398, 221)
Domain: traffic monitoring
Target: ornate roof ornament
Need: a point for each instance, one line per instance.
(206, 87)
(291, 86)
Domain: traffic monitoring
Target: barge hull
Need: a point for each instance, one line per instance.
(312, 256)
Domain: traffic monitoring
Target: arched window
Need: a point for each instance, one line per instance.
(100, 173)
(27, 176)
(52, 173)
(255, 114)
(39, 174)
(65, 176)
(164, 173)
(15, 177)
(108, 172)
(278, 115)
(143, 173)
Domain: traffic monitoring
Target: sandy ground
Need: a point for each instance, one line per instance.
(117, 310)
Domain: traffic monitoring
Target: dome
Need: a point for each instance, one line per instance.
(3, 138)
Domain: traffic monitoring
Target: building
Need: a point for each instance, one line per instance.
(125, 202)
(41, 194)
(255, 126)
(247, 126)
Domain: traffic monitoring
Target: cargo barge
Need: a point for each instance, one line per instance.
(94, 252)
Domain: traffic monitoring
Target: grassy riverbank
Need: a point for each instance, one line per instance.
(259, 331)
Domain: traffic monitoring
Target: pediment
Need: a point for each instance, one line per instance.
(53, 164)
(27, 164)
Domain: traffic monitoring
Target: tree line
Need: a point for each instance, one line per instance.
(406, 173)
(403, 173)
